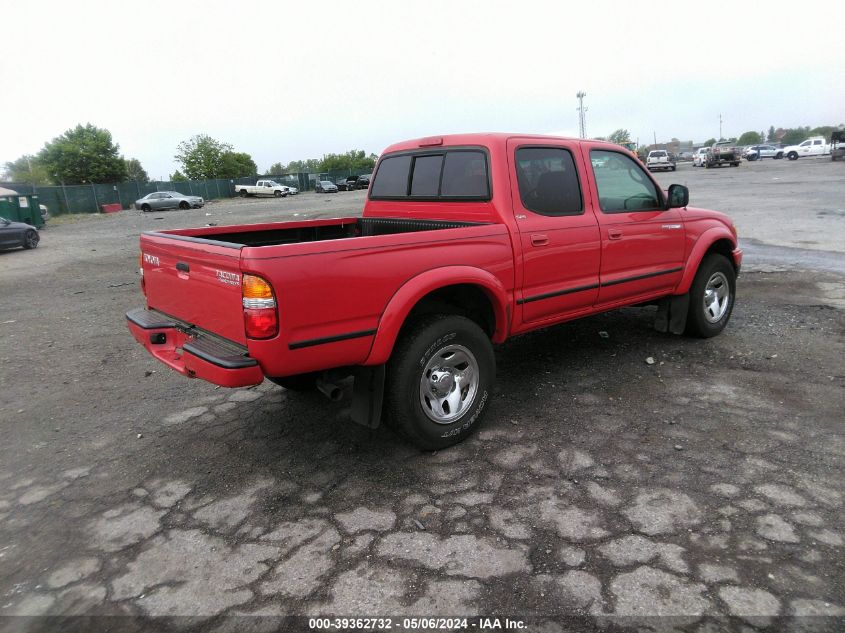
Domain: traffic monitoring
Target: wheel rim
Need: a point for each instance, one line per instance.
(717, 295)
(448, 384)
(32, 240)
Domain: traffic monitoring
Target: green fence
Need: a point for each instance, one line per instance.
(90, 198)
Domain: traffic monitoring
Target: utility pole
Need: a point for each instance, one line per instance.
(655, 138)
(582, 122)
(720, 126)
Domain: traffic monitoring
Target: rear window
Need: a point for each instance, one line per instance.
(450, 175)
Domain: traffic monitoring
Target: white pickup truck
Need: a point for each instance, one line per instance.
(263, 188)
(813, 146)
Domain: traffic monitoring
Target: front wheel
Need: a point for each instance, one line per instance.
(184, 206)
(779, 155)
(792, 156)
(278, 194)
(711, 296)
(439, 380)
(145, 208)
(30, 240)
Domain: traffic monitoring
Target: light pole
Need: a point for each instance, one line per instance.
(582, 122)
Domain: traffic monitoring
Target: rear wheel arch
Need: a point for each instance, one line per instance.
(473, 293)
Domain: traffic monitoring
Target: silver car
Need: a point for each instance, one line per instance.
(168, 200)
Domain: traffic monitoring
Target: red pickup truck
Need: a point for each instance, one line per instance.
(465, 241)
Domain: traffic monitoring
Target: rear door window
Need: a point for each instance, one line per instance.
(548, 182)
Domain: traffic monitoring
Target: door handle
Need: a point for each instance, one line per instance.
(614, 234)
(539, 240)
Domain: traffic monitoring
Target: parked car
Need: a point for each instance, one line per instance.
(325, 186)
(410, 298)
(291, 191)
(699, 158)
(168, 200)
(262, 188)
(341, 184)
(358, 182)
(813, 146)
(759, 152)
(16, 234)
(660, 159)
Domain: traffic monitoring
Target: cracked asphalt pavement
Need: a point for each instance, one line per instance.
(705, 488)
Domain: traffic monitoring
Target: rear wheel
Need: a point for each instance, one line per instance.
(792, 156)
(439, 379)
(300, 382)
(711, 297)
(30, 240)
(242, 193)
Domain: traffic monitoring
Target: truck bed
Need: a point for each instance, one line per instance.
(309, 231)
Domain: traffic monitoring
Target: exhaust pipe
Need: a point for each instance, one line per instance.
(331, 390)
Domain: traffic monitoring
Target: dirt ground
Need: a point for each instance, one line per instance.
(625, 494)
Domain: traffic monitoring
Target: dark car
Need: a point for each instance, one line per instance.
(14, 234)
(325, 186)
(341, 184)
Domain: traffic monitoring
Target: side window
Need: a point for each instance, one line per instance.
(817, 142)
(548, 182)
(465, 175)
(426, 177)
(392, 178)
(623, 185)
(805, 144)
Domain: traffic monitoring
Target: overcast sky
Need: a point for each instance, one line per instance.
(284, 81)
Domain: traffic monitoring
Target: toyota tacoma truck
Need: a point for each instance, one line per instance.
(465, 241)
(262, 188)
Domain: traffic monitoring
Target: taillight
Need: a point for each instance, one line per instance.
(260, 316)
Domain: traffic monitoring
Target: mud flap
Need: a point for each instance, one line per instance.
(368, 396)
(672, 314)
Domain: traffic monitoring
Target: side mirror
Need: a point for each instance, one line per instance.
(678, 197)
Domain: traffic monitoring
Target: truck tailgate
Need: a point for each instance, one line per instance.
(196, 281)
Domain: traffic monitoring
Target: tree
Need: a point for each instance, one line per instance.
(201, 156)
(309, 166)
(749, 138)
(135, 171)
(795, 135)
(824, 130)
(354, 160)
(620, 136)
(770, 137)
(710, 142)
(236, 165)
(178, 176)
(82, 155)
(276, 169)
(26, 169)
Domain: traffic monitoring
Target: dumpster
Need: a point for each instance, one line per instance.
(18, 208)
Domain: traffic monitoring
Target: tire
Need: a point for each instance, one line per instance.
(145, 208)
(792, 156)
(242, 193)
(278, 194)
(779, 155)
(734, 164)
(30, 240)
(184, 206)
(300, 382)
(434, 415)
(715, 280)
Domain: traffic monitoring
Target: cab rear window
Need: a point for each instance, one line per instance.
(460, 174)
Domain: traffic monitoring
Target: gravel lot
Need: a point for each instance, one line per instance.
(705, 485)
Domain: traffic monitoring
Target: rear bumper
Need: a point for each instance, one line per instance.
(191, 352)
